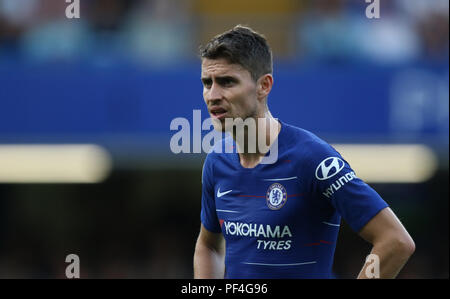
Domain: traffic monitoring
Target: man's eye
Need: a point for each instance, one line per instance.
(227, 82)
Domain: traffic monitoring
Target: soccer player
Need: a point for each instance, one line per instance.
(281, 219)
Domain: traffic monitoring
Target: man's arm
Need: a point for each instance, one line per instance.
(391, 243)
(209, 255)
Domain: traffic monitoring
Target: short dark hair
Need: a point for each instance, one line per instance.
(244, 46)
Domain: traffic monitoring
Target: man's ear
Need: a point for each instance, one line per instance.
(264, 86)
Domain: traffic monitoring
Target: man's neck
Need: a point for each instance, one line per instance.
(267, 130)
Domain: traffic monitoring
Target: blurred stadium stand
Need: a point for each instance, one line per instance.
(117, 76)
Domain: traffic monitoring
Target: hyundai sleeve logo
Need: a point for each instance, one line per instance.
(329, 167)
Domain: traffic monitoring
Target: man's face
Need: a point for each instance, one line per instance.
(228, 90)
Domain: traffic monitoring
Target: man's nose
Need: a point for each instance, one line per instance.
(214, 94)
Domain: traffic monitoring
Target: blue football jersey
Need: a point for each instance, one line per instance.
(281, 220)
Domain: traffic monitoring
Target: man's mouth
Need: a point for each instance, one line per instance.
(218, 113)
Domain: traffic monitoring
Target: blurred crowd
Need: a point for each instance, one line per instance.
(407, 30)
(152, 31)
(167, 32)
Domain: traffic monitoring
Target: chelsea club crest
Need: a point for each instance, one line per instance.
(276, 196)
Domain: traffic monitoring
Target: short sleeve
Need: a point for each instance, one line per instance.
(208, 213)
(334, 180)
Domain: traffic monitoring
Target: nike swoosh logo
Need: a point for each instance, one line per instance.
(220, 194)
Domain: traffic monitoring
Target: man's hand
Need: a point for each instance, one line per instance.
(392, 245)
(209, 255)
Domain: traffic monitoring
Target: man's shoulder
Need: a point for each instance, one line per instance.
(308, 150)
(306, 142)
